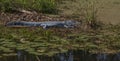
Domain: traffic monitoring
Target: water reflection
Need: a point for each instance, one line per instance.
(116, 57)
(69, 56)
(101, 57)
(20, 55)
(65, 56)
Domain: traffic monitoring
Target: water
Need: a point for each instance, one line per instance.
(69, 56)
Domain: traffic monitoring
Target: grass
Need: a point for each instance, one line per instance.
(107, 9)
(44, 6)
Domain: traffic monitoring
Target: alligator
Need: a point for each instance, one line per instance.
(45, 24)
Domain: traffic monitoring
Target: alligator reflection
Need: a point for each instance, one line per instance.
(69, 56)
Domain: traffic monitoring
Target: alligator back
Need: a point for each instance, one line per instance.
(44, 24)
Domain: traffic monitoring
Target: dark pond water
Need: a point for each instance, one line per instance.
(69, 56)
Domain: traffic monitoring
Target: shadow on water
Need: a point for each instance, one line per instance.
(69, 56)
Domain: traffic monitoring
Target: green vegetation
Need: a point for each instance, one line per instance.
(45, 42)
(96, 37)
(42, 43)
(44, 6)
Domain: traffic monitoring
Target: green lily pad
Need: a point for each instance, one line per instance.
(35, 53)
(10, 54)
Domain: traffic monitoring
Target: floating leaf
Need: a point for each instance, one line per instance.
(10, 54)
(7, 50)
(30, 50)
(36, 53)
(1, 56)
(40, 51)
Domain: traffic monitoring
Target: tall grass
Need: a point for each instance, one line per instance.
(89, 10)
(44, 6)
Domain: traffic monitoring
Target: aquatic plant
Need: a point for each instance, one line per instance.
(41, 42)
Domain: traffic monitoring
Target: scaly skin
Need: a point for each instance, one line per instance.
(46, 24)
